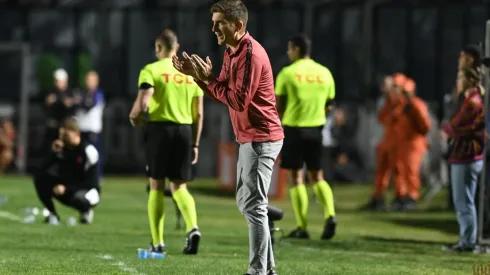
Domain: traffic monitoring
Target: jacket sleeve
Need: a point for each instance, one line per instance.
(419, 114)
(249, 69)
(467, 120)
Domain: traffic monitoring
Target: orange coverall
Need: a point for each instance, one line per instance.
(414, 124)
(388, 117)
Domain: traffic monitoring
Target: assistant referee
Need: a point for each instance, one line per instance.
(305, 90)
(173, 105)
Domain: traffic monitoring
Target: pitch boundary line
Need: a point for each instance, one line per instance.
(124, 267)
(10, 216)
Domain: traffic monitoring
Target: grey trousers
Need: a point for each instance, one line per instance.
(254, 173)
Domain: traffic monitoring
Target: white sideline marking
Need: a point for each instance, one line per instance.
(10, 216)
(122, 265)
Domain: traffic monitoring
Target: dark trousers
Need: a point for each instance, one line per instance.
(44, 184)
(96, 140)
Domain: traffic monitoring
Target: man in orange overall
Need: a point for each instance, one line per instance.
(413, 126)
(387, 117)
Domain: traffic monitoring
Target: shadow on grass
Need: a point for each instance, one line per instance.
(401, 241)
(449, 225)
(363, 244)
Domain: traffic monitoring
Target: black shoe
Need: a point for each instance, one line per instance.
(409, 204)
(397, 204)
(329, 230)
(192, 242)
(157, 249)
(457, 248)
(299, 233)
(272, 272)
(375, 204)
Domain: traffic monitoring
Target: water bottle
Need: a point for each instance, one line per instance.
(145, 254)
(31, 211)
(71, 221)
(45, 212)
(30, 219)
(3, 199)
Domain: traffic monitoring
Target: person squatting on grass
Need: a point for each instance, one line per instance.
(69, 174)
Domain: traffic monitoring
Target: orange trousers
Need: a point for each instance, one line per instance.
(384, 168)
(407, 172)
(404, 168)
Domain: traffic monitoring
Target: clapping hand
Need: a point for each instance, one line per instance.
(202, 69)
(183, 64)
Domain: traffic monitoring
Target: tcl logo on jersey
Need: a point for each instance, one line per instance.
(178, 78)
(310, 78)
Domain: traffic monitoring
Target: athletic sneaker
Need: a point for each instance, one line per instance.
(157, 249)
(299, 233)
(52, 219)
(192, 242)
(270, 272)
(87, 217)
(329, 229)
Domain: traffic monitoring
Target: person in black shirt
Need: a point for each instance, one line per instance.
(59, 105)
(69, 174)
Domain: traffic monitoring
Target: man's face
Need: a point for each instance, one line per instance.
(61, 85)
(293, 52)
(67, 136)
(464, 60)
(92, 81)
(223, 29)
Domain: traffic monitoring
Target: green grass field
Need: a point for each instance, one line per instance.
(386, 243)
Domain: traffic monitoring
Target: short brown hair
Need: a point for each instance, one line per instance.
(168, 39)
(233, 10)
(71, 124)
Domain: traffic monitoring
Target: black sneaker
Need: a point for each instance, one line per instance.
(375, 204)
(157, 249)
(457, 248)
(329, 230)
(299, 233)
(409, 204)
(192, 242)
(397, 204)
(272, 271)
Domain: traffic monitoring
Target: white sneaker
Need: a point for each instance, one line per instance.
(87, 217)
(52, 219)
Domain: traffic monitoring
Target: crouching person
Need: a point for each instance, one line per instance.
(69, 174)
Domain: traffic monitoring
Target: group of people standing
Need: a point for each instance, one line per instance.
(406, 123)
(399, 155)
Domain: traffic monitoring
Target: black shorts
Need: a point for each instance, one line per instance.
(168, 148)
(302, 145)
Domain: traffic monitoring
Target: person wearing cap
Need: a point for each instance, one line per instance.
(385, 163)
(413, 126)
(59, 105)
(69, 175)
(467, 132)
